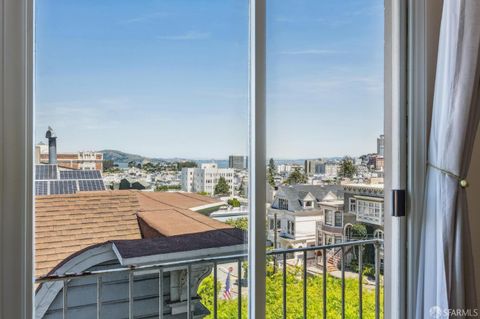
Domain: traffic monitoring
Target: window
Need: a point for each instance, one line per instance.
(338, 219)
(283, 203)
(352, 205)
(328, 217)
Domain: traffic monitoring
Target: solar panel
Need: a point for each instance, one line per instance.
(45, 172)
(91, 185)
(63, 187)
(41, 188)
(94, 174)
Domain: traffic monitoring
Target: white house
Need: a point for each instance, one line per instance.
(205, 178)
(294, 213)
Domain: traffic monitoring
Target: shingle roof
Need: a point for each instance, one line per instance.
(65, 224)
(294, 194)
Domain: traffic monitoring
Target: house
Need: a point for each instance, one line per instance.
(82, 232)
(295, 211)
(205, 178)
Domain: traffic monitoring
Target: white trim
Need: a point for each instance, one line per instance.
(179, 256)
(257, 161)
(16, 159)
(395, 155)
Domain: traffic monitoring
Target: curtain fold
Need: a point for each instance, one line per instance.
(445, 277)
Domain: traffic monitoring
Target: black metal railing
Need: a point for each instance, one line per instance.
(215, 261)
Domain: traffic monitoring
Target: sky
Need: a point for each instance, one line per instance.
(169, 78)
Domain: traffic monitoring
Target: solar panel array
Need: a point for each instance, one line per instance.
(45, 172)
(80, 175)
(50, 181)
(41, 188)
(63, 187)
(91, 185)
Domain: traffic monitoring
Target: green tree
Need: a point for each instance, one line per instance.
(240, 223)
(296, 177)
(186, 164)
(222, 187)
(241, 189)
(234, 202)
(107, 164)
(271, 169)
(347, 167)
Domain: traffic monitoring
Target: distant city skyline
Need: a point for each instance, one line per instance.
(170, 78)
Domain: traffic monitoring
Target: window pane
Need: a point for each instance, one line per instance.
(325, 62)
(142, 129)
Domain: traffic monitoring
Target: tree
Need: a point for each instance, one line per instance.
(271, 172)
(347, 167)
(296, 177)
(234, 202)
(107, 164)
(222, 187)
(240, 223)
(241, 189)
(186, 164)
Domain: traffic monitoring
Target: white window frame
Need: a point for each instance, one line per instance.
(16, 148)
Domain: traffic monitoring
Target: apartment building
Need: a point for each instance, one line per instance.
(205, 178)
(237, 162)
(314, 167)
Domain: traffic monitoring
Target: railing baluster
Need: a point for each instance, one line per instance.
(160, 293)
(99, 296)
(343, 281)
(304, 284)
(284, 285)
(360, 282)
(130, 295)
(377, 280)
(65, 298)
(215, 292)
(239, 289)
(324, 259)
(189, 291)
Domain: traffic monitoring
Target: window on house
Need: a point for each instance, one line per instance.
(283, 203)
(352, 205)
(338, 219)
(328, 217)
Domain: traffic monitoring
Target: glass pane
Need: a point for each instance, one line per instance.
(142, 129)
(325, 62)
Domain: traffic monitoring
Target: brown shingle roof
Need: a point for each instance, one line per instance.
(66, 224)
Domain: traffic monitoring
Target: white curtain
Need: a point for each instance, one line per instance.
(446, 279)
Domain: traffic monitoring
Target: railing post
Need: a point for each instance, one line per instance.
(65, 299)
(99, 296)
(324, 259)
(377, 280)
(343, 281)
(284, 299)
(239, 301)
(215, 292)
(130, 295)
(360, 282)
(304, 284)
(189, 297)
(160, 293)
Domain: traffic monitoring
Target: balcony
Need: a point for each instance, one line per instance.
(331, 229)
(103, 283)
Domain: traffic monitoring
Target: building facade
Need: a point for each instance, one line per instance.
(295, 211)
(237, 162)
(314, 167)
(205, 178)
(381, 145)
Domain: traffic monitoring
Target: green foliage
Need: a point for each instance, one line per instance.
(234, 202)
(203, 193)
(107, 164)
(132, 164)
(165, 188)
(369, 271)
(271, 169)
(359, 231)
(228, 308)
(186, 164)
(296, 177)
(347, 167)
(241, 223)
(241, 189)
(222, 187)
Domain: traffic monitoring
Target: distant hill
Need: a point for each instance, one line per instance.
(122, 157)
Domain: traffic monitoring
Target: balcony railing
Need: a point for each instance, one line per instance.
(280, 257)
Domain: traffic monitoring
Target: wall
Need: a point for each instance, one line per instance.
(474, 208)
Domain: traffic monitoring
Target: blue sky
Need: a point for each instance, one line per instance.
(169, 78)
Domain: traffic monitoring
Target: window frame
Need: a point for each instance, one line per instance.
(16, 158)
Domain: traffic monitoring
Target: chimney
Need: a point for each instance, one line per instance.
(52, 146)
